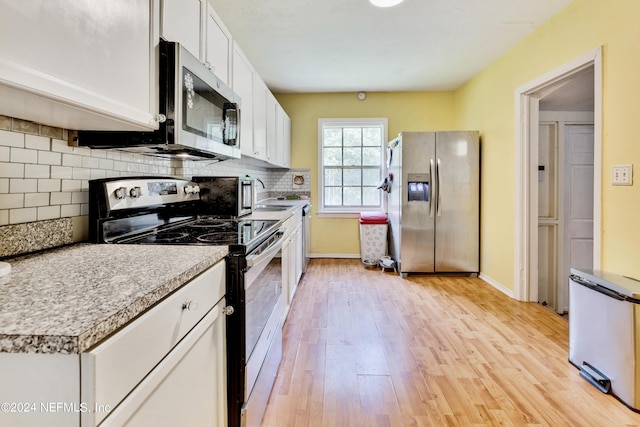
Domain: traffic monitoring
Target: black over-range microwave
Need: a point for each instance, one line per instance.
(199, 114)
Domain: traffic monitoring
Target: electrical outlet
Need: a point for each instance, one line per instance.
(622, 174)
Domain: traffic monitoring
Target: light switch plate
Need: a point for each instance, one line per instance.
(622, 174)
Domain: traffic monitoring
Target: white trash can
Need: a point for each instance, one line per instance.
(373, 237)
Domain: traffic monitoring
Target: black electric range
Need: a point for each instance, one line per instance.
(169, 211)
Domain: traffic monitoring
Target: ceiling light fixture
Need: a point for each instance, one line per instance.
(385, 3)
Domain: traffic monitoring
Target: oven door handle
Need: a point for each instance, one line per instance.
(268, 252)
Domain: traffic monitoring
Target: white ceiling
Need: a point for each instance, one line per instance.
(350, 45)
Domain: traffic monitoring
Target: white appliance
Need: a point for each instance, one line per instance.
(434, 202)
(604, 342)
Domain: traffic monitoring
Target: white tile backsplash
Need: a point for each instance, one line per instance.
(23, 155)
(37, 142)
(49, 158)
(11, 139)
(45, 178)
(19, 185)
(17, 216)
(48, 185)
(5, 154)
(60, 198)
(11, 170)
(37, 171)
(11, 201)
(48, 212)
(36, 199)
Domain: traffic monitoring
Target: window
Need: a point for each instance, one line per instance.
(351, 159)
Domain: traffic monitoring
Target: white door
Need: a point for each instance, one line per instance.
(548, 214)
(578, 199)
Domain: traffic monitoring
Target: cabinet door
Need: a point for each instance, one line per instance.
(188, 388)
(243, 86)
(259, 118)
(291, 268)
(286, 140)
(272, 147)
(79, 65)
(218, 48)
(279, 146)
(299, 253)
(182, 22)
(285, 255)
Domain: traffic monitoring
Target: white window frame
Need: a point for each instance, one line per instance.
(334, 212)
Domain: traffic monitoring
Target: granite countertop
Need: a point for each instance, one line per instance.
(66, 300)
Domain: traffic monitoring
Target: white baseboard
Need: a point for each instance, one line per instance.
(334, 255)
(499, 286)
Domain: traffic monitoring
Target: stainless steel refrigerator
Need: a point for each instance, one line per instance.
(434, 202)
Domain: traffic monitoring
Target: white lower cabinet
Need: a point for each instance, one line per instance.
(161, 369)
(165, 368)
(187, 388)
(292, 257)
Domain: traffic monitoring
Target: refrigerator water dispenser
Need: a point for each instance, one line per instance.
(418, 188)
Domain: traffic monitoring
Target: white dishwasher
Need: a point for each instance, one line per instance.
(604, 333)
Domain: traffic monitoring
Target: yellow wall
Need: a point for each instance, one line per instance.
(486, 103)
(409, 111)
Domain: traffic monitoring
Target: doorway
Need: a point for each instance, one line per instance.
(541, 243)
(565, 200)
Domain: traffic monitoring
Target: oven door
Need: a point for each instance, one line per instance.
(264, 307)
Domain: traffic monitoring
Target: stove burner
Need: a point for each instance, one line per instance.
(219, 238)
(167, 237)
(210, 222)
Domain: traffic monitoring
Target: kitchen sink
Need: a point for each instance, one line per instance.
(271, 208)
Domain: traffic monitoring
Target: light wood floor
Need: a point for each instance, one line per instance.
(367, 348)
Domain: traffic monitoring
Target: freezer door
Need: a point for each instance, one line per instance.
(457, 223)
(418, 198)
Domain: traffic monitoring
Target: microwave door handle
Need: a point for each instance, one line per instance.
(230, 119)
(269, 252)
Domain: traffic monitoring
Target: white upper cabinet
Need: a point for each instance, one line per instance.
(286, 140)
(243, 86)
(260, 91)
(195, 25)
(218, 46)
(272, 125)
(80, 65)
(182, 22)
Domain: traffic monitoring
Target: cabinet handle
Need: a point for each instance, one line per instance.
(190, 306)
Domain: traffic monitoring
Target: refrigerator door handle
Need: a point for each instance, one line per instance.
(431, 174)
(439, 199)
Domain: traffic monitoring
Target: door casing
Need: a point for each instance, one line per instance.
(526, 158)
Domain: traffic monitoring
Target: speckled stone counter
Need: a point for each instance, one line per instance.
(66, 300)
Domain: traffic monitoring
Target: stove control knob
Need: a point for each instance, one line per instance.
(135, 192)
(190, 306)
(120, 193)
(191, 189)
(228, 310)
